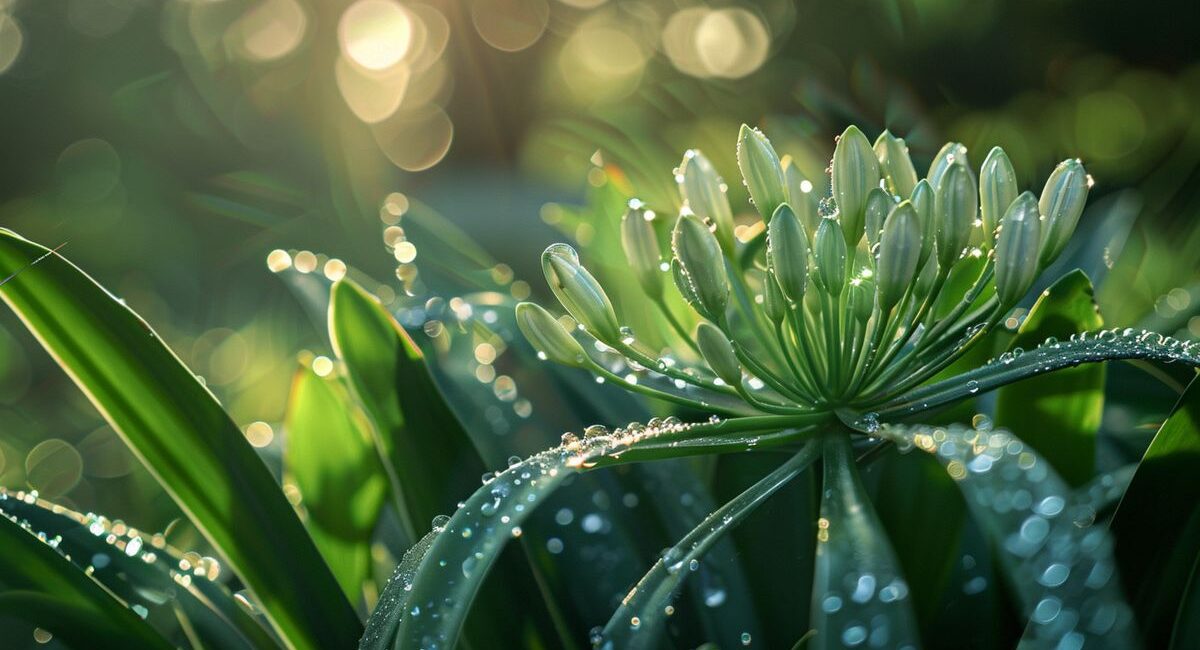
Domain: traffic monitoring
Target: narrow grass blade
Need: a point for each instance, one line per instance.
(1059, 415)
(145, 574)
(1091, 347)
(444, 586)
(638, 623)
(180, 433)
(331, 457)
(60, 591)
(1157, 524)
(1059, 564)
(860, 596)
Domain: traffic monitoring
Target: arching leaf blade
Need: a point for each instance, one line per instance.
(648, 601)
(1059, 415)
(54, 587)
(1157, 524)
(175, 426)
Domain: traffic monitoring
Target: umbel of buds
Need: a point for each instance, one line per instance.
(825, 304)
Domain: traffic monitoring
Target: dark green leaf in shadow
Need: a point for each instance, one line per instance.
(639, 621)
(177, 428)
(1058, 415)
(859, 595)
(58, 587)
(1157, 524)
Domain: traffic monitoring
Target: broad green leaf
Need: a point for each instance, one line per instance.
(141, 571)
(1058, 563)
(23, 613)
(177, 428)
(1187, 625)
(1157, 524)
(859, 595)
(422, 440)
(639, 621)
(332, 459)
(444, 586)
(29, 564)
(1059, 415)
(1091, 347)
(923, 515)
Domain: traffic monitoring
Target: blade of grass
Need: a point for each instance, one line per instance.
(178, 430)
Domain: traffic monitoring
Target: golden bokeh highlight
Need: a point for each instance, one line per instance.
(259, 434)
(270, 30)
(372, 95)
(728, 43)
(602, 61)
(334, 269)
(12, 39)
(322, 366)
(375, 34)
(416, 141)
(279, 260)
(510, 25)
(305, 261)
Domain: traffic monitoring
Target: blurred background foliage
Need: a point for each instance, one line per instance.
(176, 145)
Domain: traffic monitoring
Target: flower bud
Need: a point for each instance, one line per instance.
(704, 192)
(801, 197)
(861, 301)
(684, 285)
(701, 264)
(579, 292)
(955, 211)
(895, 165)
(879, 204)
(548, 337)
(1017, 248)
(718, 353)
(829, 257)
(641, 248)
(855, 173)
(923, 200)
(997, 190)
(774, 302)
(761, 170)
(1061, 204)
(926, 277)
(950, 153)
(899, 254)
(787, 250)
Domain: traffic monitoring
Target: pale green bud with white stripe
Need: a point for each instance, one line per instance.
(895, 165)
(718, 353)
(579, 292)
(1061, 204)
(641, 248)
(829, 257)
(947, 156)
(923, 200)
(854, 174)
(899, 255)
(879, 205)
(787, 251)
(704, 191)
(955, 210)
(761, 170)
(997, 190)
(548, 336)
(1017, 248)
(802, 197)
(702, 265)
(775, 304)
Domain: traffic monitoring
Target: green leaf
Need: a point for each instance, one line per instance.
(29, 565)
(70, 624)
(1058, 563)
(649, 600)
(179, 431)
(859, 596)
(1059, 415)
(422, 440)
(445, 584)
(143, 574)
(1157, 524)
(1092, 347)
(330, 456)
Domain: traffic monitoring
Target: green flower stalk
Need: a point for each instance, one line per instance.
(838, 318)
